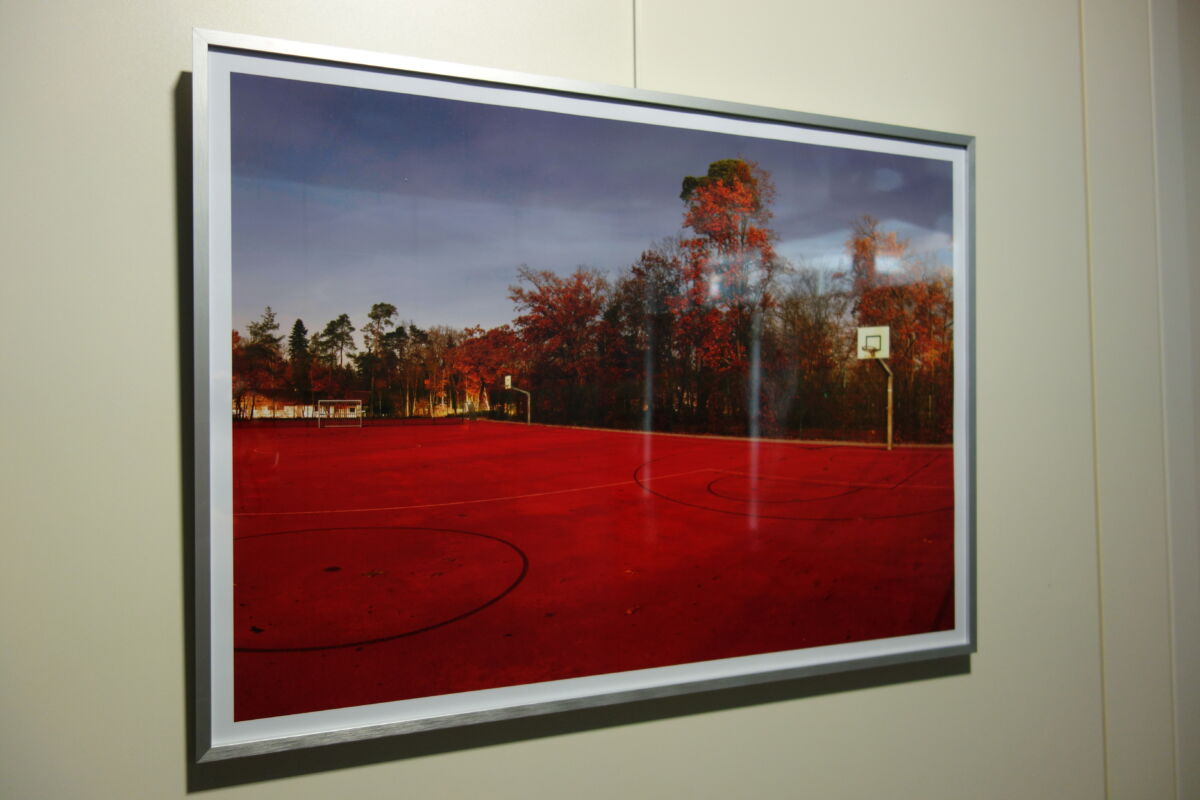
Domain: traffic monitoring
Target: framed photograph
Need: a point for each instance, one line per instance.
(517, 395)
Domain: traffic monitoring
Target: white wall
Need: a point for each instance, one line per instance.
(1071, 691)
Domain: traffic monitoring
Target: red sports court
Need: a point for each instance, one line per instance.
(395, 561)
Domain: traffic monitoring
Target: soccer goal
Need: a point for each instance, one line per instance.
(339, 414)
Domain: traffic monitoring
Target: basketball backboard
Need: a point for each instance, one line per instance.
(874, 342)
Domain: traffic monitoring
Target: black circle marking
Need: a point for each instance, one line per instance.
(441, 623)
(841, 492)
(637, 478)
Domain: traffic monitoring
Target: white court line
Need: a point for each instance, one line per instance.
(468, 502)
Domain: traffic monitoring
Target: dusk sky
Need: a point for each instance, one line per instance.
(346, 197)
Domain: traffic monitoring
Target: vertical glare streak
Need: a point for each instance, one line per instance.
(648, 419)
(753, 389)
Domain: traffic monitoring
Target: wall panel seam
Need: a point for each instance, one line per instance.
(633, 12)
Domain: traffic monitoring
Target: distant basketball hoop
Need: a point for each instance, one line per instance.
(528, 398)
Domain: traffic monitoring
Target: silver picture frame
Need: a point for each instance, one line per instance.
(218, 733)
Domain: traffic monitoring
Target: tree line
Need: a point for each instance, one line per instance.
(708, 331)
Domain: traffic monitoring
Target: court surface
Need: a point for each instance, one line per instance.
(389, 562)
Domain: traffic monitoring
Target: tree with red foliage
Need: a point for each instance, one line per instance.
(560, 317)
(562, 326)
(729, 269)
(482, 358)
(733, 257)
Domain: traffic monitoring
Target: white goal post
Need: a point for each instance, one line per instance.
(339, 414)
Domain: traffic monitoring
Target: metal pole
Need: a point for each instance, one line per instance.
(528, 405)
(888, 370)
(889, 409)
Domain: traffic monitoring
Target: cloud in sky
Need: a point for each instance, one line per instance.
(828, 250)
(346, 197)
